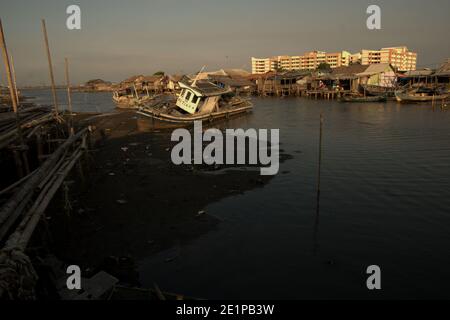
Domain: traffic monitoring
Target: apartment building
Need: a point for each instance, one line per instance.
(260, 66)
(308, 61)
(399, 57)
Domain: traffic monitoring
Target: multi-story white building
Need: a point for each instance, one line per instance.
(261, 65)
(399, 57)
(308, 61)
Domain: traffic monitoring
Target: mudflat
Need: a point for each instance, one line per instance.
(131, 200)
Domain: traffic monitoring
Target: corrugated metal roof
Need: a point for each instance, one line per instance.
(375, 69)
(351, 70)
(444, 70)
(418, 73)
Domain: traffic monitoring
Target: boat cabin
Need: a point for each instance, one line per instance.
(200, 97)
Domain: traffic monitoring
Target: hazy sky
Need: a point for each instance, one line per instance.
(120, 38)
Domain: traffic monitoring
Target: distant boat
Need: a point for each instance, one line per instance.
(373, 90)
(198, 101)
(363, 99)
(420, 95)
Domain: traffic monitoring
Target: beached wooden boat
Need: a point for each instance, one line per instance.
(355, 98)
(199, 101)
(420, 95)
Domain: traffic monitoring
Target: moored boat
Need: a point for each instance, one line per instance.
(356, 98)
(374, 90)
(198, 101)
(421, 95)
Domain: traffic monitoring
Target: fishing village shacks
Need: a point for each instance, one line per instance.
(235, 79)
(139, 89)
(279, 83)
(427, 77)
(442, 74)
(325, 83)
(425, 85)
(96, 85)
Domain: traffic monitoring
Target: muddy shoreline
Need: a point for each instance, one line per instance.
(128, 201)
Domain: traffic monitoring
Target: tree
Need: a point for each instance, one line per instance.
(324, 67)
(159, 73)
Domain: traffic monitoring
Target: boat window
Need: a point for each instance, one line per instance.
(195, 99)
(188, 96)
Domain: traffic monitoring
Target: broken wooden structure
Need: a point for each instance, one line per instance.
(44, 149)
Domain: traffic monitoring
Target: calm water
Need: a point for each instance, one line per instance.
(81, 101)
(385, 201)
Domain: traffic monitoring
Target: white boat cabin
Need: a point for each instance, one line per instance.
(201, 97)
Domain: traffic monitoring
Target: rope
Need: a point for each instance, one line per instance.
(17, 276)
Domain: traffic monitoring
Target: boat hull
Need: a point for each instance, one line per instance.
(186, 119)
(364, 99)
(373, 90)
(408, 98)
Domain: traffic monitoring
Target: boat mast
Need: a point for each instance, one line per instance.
(194, 84)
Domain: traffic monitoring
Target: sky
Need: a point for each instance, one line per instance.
(121, 38)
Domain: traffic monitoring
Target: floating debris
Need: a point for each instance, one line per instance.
(201, 213)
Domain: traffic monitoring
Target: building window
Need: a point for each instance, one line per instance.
(194, 99)
(188, 95)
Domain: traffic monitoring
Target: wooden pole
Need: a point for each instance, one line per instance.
(14, 101)
(12, 91)
(320, 161)
(50, 66)
(69, 97)
(316, 223)
(14, 80)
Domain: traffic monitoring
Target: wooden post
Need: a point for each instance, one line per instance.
(40, 147)
(320, 161)
(12, 90)
(136, 92)
(15, 80)
(69, 97)
(14, 102)
(50, 67)
(316, 223)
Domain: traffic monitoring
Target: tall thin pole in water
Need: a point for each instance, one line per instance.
(50, 66)
(316, 224)
(14, 80)
(69, 97)
(320, 162)
(15, 105)
(12, 90)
